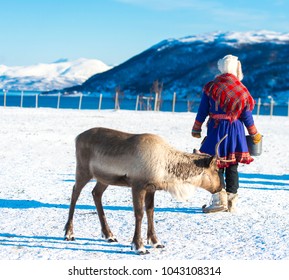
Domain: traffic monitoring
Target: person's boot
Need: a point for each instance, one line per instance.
(219, 203)
(232, 202)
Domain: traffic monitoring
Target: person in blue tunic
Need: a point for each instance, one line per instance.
(229, 106)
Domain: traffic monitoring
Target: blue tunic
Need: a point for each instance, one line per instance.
(234, 147)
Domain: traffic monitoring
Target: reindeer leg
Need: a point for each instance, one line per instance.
(151, 234)
(97, 193)
(138, 195)
(81, 180)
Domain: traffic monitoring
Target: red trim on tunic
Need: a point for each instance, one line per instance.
(252, 129)
(237, 157)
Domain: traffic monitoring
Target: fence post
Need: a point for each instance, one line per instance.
(156, 102)
(100, 100)
(258, 107)
(21, 100)
(116, 104)
(137, 101)
(58, 101)
(80, 101)
(174, 101)
(36, 100)
(4, 101)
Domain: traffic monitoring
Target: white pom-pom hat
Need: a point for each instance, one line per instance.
(230, 64)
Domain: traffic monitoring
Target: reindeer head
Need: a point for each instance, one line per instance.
(210, 177)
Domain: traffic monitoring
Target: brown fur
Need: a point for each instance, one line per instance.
(144, 162)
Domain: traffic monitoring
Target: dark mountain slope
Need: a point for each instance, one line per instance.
(185, 65)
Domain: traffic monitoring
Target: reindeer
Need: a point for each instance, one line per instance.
(144, 162)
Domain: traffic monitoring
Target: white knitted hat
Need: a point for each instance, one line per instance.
(230, 64)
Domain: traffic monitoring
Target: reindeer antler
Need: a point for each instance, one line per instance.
(217, 151)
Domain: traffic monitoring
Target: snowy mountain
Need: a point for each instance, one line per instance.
(185, 65)
(43, 77)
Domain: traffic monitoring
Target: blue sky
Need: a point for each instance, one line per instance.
(34, 31)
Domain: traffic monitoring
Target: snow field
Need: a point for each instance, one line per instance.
(37, 175)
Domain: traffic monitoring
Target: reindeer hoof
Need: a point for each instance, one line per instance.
(141, 251)
(69, 238)
(157, 245)
(145, 252)
(111, 240)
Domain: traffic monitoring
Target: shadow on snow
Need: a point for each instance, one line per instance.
(252, 181)
(57, 243)
(264, 181)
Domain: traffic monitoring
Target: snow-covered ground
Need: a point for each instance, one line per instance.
(37, 158)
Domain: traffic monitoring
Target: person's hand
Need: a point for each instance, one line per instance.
(196, 134)
(256, 138)
(197, 129)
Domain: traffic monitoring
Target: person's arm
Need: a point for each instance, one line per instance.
(247, 118)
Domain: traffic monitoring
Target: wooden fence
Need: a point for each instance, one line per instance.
(152, 103)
